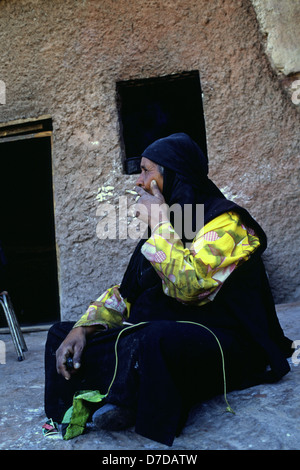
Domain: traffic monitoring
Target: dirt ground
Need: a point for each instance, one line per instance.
(267, 416)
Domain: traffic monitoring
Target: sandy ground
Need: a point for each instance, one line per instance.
(267, 416)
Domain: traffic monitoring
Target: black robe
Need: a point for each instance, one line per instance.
(166, 366)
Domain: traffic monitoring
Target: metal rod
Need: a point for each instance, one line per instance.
(13, 324)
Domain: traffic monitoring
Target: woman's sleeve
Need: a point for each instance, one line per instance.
(110, 310)
(196, 274)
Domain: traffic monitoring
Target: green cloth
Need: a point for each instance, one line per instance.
(76, 417)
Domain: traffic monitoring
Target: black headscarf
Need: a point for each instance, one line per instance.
(185, 182)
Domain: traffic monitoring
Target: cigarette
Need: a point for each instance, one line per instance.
(129, 191)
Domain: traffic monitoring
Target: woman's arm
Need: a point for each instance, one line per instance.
(110, 310)
(195, 275)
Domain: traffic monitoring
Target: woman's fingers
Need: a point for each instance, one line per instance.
(147, 198)
(72, 347)
(61, 361)
(151, 208)
(156, 191)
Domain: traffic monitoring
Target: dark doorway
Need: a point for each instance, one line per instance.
(156, 107)
(27, 230)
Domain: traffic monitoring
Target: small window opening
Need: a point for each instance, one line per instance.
(156, 107)
(28, 264)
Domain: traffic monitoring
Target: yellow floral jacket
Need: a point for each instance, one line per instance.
(191, 275)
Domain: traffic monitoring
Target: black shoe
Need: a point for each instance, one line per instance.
(113, 418)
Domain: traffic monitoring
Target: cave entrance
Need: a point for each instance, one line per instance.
(28, 260)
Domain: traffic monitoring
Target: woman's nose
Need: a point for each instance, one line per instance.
(139, 181)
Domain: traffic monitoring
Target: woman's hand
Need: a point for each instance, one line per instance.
(72, 346)
(151, 208)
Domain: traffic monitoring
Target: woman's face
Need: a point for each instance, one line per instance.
(149, 172)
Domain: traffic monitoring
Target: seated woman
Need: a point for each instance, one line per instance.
(201, 309)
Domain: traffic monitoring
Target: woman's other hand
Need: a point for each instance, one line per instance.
(72, 346)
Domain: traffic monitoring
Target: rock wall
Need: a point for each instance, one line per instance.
(279, 24)
(63, 59)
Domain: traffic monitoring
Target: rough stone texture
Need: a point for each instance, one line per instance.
(267, 416)
(63, 59)
(280, 23)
